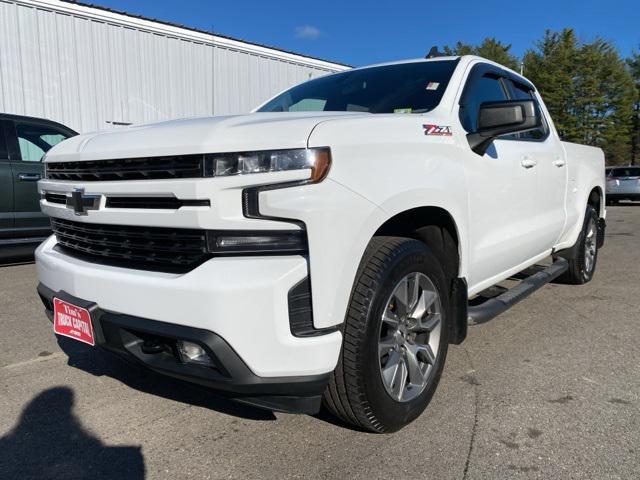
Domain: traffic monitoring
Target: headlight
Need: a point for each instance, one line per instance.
(316, 160)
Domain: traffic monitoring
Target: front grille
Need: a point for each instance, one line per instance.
(171, 203)
(56, 198)
(167, 203)
(148, 168)
(173, 250)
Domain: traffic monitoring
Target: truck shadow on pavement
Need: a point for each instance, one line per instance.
(101, 363)
(49, 442)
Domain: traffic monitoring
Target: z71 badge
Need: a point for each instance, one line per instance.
(442, 130)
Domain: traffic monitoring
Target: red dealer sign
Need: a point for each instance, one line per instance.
(72, 321)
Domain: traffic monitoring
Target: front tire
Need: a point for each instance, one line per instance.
(396, 335)
(582, 264)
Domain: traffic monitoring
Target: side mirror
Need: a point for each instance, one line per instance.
(503, 118)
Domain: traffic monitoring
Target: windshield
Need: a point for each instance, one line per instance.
(402, 88)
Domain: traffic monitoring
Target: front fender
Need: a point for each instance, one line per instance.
(340, 223)
(443, 199)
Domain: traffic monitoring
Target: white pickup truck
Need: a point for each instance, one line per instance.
(328, 246)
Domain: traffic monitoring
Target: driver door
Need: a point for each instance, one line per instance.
(6, 188)
(30, 140)
(501, 188)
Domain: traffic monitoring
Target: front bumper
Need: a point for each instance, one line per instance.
(125, 336)
(240, 303)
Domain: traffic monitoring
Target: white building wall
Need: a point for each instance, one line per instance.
(85, 67)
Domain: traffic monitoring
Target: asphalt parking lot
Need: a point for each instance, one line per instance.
(550, 389)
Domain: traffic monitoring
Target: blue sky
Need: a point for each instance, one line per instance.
(359, 33)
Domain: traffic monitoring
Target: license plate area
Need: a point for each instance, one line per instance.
(72, 321)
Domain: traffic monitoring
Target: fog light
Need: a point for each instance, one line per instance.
(193, 353)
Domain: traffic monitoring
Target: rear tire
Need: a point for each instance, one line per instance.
(582, 265)
(395, 344)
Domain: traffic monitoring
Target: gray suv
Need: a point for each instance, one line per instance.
(623, 183)
(23, 143)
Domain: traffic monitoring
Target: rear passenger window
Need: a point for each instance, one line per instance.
(522, 92)
(35, 140)
(625, 172)
(487, 88)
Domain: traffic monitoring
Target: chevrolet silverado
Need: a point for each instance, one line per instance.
(327, 247)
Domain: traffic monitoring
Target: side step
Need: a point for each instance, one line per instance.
(493, 307)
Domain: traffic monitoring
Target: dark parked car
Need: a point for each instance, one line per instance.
(23, 143)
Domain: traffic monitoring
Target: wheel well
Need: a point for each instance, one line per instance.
(436, 228)
(595, 200)
(432, 225)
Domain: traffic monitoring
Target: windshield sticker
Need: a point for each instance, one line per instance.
(402, 110)
(433, 85)
(441, 130)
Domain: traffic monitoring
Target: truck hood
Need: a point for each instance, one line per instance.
(254, 131)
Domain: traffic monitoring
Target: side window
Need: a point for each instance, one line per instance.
(35, 140)
(522, 92)
(488, 88)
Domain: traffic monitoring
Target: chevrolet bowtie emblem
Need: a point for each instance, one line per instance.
(81, 203)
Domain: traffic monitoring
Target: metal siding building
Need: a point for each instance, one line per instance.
(85, 67)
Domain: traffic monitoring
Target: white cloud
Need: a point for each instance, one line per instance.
(308, 32)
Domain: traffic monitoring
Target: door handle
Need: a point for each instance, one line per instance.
(559, 162)
(528, 162)
(29, 177)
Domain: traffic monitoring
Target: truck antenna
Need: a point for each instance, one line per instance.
(433, 53)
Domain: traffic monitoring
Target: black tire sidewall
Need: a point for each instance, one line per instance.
(392, 414)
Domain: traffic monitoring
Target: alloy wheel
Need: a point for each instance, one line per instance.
(590, 246)
(410, 337)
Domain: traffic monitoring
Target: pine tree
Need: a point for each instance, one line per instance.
(490, 48)
(550, 68)
(460, 49)
(587, 89)
(498, 52)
